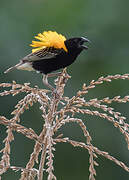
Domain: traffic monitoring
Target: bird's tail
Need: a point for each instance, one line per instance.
(14, 67)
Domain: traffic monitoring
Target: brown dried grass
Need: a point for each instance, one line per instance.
(53, 119)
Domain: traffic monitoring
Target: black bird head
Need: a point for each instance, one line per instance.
(74, 44)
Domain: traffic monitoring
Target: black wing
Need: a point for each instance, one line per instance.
(46, 53)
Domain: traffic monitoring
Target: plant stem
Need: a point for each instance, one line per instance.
(48, 122)
(42, 161)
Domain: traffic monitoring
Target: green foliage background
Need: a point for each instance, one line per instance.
(106, 24)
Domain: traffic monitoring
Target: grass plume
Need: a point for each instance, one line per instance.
(54, 117)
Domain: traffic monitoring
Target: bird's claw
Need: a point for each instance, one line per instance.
(55, 94)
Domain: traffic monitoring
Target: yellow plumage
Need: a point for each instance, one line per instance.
(49, 39)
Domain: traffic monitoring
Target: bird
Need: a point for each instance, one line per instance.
(50, 53)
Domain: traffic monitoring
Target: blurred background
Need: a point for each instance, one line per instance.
(106, 25)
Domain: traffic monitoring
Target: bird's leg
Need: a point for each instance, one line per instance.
(54, 74)
(45, 81)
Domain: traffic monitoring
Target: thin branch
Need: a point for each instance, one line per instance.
(93, 149)
(42, 161)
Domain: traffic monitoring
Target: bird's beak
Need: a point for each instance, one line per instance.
(83, 41)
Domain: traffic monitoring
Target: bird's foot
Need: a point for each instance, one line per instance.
(55, 94)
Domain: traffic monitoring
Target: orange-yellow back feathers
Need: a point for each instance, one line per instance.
(49, 39)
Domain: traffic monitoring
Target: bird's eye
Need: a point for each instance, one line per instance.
(76, 41)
